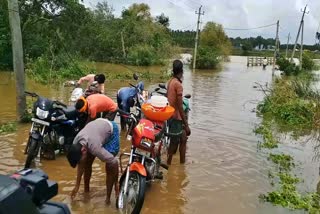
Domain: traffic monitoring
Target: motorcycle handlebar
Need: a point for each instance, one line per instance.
(32, 94)
(60, 103)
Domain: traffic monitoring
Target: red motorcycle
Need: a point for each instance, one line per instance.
(144, 160)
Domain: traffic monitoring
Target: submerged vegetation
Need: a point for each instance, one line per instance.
(8, 127)
(292, 104)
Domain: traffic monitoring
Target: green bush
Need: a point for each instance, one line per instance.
(142, 55)
(46, 70)
(307, 62)
(207, 58)
(287, 67)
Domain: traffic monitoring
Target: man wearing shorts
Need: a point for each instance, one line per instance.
(178, 124)
(99, 138)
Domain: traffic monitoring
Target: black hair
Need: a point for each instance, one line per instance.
(177, 67)
(74, 155)
(100, 78)
(79, 104)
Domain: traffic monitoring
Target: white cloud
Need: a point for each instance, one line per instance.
(235, 14)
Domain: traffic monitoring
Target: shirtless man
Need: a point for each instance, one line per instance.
(90, 78)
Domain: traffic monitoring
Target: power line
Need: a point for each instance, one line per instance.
(265, 26)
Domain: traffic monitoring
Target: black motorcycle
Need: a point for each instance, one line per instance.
(54, 126)
(28, 191)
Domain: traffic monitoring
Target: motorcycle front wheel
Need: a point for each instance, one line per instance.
(31, 151)
(132, 200)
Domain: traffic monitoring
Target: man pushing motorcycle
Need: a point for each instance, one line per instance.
(99, 138)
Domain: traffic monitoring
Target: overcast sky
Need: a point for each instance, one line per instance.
(235, 14)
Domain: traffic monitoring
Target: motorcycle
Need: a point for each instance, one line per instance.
(77, 92)
(54, 126)
(144, 162)
(28, 191)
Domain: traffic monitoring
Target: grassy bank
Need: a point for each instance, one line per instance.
(290, 106)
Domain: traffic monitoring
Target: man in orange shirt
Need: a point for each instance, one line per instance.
(97, 105)
(178, 124)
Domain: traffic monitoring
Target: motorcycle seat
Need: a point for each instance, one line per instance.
(70, 112)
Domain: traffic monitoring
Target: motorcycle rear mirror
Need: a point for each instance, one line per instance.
(188, 96)
(162, 85)
(135, 76)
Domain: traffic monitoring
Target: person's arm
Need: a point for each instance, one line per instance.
(83, 79)
(80, 171)
(102, 88)
(179, 91)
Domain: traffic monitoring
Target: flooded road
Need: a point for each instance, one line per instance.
(224, 173)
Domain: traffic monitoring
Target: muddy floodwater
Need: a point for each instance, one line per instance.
(225, 171)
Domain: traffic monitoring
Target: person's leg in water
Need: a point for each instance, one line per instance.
(112, 172)
(183, 147)
(88, 172)
(174, 143)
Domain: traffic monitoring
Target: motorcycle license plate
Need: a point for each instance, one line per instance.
(40, 122)
(142, 152)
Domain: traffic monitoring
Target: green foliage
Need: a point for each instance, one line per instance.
(52, 28)
(252, 42)
(287, 67)
(47, 70)
(307, 62)
(142, 55)
(214, 45)
(288, 195)
(207, 58)
(183, 39)
(5, 37)
(284, 105)
(269, 141)
(8, 127)
(285, 162)
(163, 20)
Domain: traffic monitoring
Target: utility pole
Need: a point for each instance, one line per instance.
(17, 52)
(301, 46)
(287, 45)
(295, 44)
(199, 13)
(276, 48)
(123, 47)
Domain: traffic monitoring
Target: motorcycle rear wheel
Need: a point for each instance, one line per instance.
(132, 200)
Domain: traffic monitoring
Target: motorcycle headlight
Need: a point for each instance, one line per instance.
(41, 114)
(146, 144)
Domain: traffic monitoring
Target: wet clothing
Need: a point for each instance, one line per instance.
(123, 97)
(98, 103)
(174, 91)
(125, 93)
(90, 79)
(112, 144)
(175, 128)
(95, 135)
